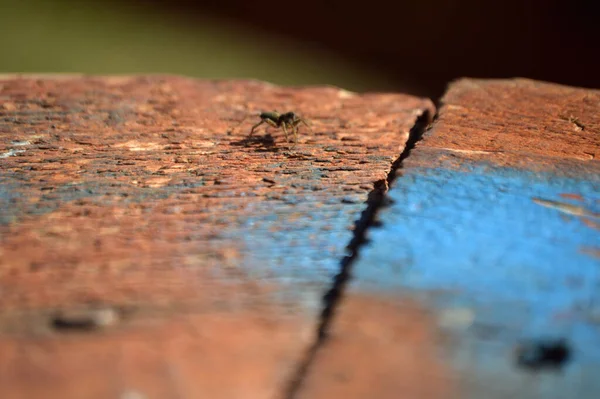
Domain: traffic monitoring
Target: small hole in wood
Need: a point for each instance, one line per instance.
(543, 354)
(83, 320)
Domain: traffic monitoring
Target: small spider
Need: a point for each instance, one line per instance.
(286, 121)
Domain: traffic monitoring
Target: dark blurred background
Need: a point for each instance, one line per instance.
(405, 45)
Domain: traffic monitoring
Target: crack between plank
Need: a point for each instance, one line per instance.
(376, 200)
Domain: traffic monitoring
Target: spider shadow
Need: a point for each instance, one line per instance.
(265, 143)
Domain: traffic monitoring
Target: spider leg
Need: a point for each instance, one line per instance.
(283, 125)
(270, 122)
(295, 135)
(255, 126)
(300, 120)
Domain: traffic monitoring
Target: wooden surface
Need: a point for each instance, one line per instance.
(149, 248)
(493, 231)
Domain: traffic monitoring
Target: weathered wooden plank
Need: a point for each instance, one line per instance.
(493, 234)
(148, 247)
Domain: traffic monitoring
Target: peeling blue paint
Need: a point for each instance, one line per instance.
(14, 195)
(475, 240)
(297, 248)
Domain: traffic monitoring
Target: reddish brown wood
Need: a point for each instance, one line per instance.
(142, 196)
(384, 342)
(518, 122)
(380, 347)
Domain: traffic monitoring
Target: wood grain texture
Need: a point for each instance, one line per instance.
(492, 233)
(208, 251)
(519, 122)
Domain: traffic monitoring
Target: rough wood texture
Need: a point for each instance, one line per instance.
(380, 346)
(493, 230)
(518, 123)
(149, 247)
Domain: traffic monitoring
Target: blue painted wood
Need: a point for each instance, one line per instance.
(502, 256)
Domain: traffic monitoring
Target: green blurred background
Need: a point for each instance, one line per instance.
(412, 46)
(126, 38)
